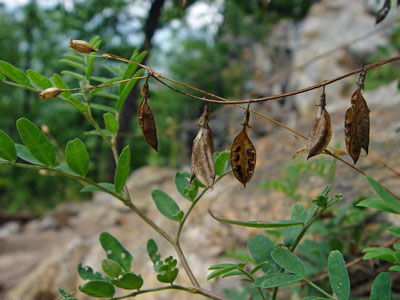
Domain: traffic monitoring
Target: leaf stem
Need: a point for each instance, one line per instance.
(297, 241)
(168, 287)
(178, 235)
(20, 86)
(318, 288)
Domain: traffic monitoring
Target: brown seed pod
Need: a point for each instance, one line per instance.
(202, 162)
(320, 132)
(81, 46)
(50, 93)
(357, 125)
(362, 111)
(146, 119)
(243, 155)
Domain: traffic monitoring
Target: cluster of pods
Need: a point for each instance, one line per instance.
(243, 153)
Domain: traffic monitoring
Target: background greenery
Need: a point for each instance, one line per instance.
(207, 57)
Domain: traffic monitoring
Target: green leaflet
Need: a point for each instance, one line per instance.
(122, 171)
(7, 147)
(37, 142)
(77, 157)
(14, 73)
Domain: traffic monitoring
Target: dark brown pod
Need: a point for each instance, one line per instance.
(362, 120)
(202, 162)
(320, 132)
(146, 119)
(352, 145)
(357, 126)
(243, 155)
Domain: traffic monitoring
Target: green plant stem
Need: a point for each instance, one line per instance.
(252, 280)
(169, 287)
(318, 288)
(141, 214)
(20, 86)
(60, 172)
(178, 235)
(298, 240)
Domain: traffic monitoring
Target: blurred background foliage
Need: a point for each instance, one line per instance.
(203, 44)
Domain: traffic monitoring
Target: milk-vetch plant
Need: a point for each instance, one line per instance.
(272, 265)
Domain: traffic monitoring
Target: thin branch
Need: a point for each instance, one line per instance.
(139, 292)
(274, 97)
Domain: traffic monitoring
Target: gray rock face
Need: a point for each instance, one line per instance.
(329, 25)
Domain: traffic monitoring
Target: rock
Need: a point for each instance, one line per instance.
(9, 229)
(329, 25)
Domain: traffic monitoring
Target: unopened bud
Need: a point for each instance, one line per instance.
(81, 46)
(45, 129)
(50, 93)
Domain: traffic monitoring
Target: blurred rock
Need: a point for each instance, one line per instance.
(329, 25)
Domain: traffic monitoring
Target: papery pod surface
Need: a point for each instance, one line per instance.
(362, 120)
(146, 119)
(352, 145)
(320, 133)
(357, 126)
(243, 156)
(202, 162)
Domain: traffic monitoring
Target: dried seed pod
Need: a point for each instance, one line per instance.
(321, 131)
(362, 111)
(383, 12)
(202, 162)
(81, 46)
(146, 119)
(243, 155)
(50, 93)
(357, 125)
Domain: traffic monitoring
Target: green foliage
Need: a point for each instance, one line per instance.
(338, 275)
(166, 270)
(115, 251)
(128, 281)
(7, 147)
(167, 206)
(14, 73)
(288, 261)
(261, 247)
(98, 289)
(122, 171)
(77, 157)
(37, 142)
(111, 268)
(381, 287)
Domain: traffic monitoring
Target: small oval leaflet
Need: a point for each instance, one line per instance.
(320, 132)
(146, 119)
(202, 162)
(243, 154)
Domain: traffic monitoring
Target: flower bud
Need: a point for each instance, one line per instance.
(81, 46)
(50, 93)
(45, 129)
